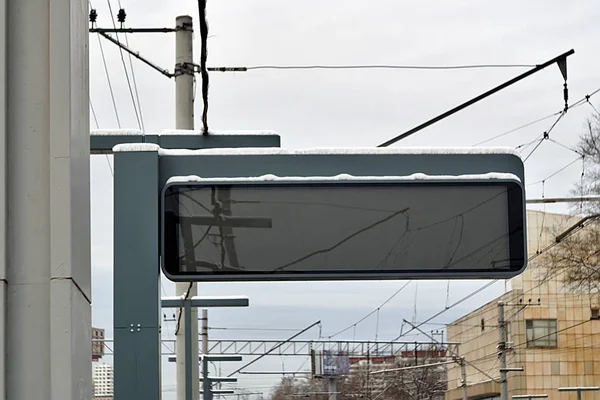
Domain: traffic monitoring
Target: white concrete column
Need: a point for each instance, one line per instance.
(48, 313)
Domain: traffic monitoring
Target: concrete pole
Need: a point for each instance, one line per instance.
(332, 388)
(502, 352)
(204, 331)
(184, 119)
(463, 377)
(207, 386)
(47, 231)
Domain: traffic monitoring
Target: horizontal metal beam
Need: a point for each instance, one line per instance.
(221, 357)
(274, 373)
(213, 358)
(228, 379)
(579, 389)
(529, 396)
(547, 200)
(102, 142)
(132, 30)
(221, 391)
(205, 301)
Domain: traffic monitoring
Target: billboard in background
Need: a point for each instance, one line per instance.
(343, 228)
(330, 363)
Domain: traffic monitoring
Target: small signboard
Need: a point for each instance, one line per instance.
(344, 227)
(330, 363)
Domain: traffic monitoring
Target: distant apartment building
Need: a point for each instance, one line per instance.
(557, 343)
(97, 344)
(103, 381)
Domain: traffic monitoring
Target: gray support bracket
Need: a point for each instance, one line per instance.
(102, 142)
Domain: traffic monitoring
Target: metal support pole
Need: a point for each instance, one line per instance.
(189, 378)
(502, 352)
(332, 388)
(206, 386)
(204, 331)
(184, 110)
(463, 377)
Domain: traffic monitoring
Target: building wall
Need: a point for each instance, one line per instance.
(576, 359)
(103, 380)
(97, 343)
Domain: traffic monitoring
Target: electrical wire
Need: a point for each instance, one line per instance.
(595, 109)
(388, 66)
(487, 285)
(555, 173)
(135, 109)
(577, 103)
(565, 146)
(110, 88)
(135, 86)
(372, 312)
(519, 128)
(253, 329)
(534, 149)
(94, 114)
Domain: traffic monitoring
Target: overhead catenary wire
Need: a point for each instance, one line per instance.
(552, 175)
(110, 88)
(135, 86)
(397, 292)
(518, 128)
(386, 66)
(487, 285)
(546, 135)
(135, 108)
(575, 104)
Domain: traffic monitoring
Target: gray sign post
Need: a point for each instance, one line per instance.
(136, 285)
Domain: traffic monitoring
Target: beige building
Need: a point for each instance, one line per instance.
(97, 343)
(556, 342)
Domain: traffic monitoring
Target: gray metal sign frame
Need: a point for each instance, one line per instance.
(141, 171)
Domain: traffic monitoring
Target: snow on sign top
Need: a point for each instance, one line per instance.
(136, 147)
(116, 132)
(342, 177)
(339, 150)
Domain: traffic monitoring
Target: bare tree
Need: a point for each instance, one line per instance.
(426, 383)
(576, 258)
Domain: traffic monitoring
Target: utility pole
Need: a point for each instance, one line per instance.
(204, 331)
(502, 352)
(463, 378)
(332, 388)
(184, 119)
(205, 342)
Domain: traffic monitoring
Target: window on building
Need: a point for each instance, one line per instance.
(595, 313)
(541, 332)
(507, 333)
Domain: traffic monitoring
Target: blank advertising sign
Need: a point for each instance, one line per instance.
(269, 228)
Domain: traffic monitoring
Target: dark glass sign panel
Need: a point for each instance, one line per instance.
(343, 230)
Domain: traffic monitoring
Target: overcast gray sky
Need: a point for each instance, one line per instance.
(351, 108)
